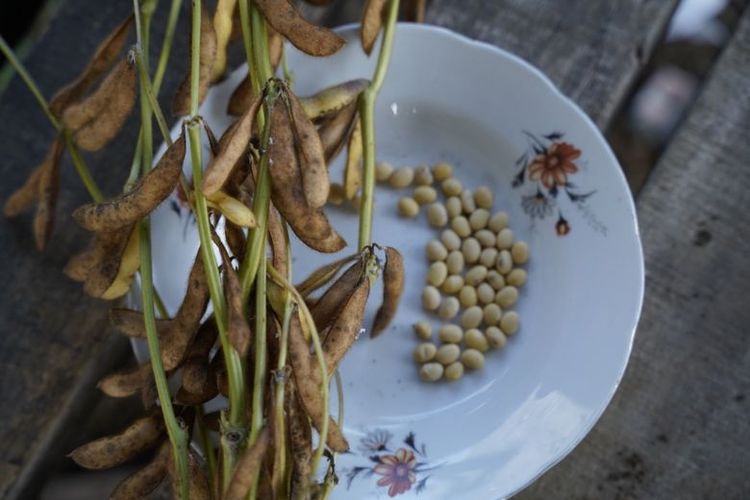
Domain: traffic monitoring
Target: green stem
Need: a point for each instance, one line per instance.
(149, 93)
(247, 43)
(166, 47)
(259, 375)
(195, 51)
(367, 118)
(208, 448)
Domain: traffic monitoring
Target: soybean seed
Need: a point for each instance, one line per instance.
(453, 207)
(510, 323)
(431, 372)
(451, 187)
(476, 275)
(504, 239)
(467, 202)
(483, 197)
(474, 339)
(468, 296)
(423, 330)
(491, 314)
(448, 308)
(454, 371)
(517, 277)
(488, 257)
(478, 219)
(437, 216)
(450, 239)
(425, 194)
(430, 298)
(407, 207)
(437, 273)
(472, 317)
(447, 354)
(520, 252)
(506, 297)
(436, 250)
(423, 176)
(472, 359)
(455, 262)
(471, 250)
(461, 226)
(401, 177)
(486, 237)
(499, 221)
(425, 352)
(442, 171)
(504, 262)
(451, 334)
(383, 171)
(453, 284)
(485, 293)
(495, 337)
(495, 279)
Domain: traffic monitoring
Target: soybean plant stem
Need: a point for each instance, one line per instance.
(195, 60)
(367, 117)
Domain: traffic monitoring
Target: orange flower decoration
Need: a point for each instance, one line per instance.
(553, 167)
(397, 471)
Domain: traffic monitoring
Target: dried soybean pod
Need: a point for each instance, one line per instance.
(222, 22)
(333, 99)
(109, 451)
(48, 188)
(196, 372)
(372, 22)
(248, 467)
(278, 241)
(181, 101)
(300, 443)
(231, 149)
(124, 383)
(241, 98)
(235, 239)
(275, 48)
(310, 153)
(345, 329)
(239, 330)
(78, 266)
(353, 166)
(307, 37)
(393, 288)
(335, 131)
(146, 195)
(321, 276)
(326, 308)
(103, 59)
(143, 481)
(130, 323)
(107, 256)
(24, 196)
(198, 482)
(97, 119)
(415, 10)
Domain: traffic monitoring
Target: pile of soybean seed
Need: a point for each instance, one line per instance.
(475, 270)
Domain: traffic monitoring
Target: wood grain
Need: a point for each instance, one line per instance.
(678, 426)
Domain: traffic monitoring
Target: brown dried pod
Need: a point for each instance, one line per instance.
(307, 37)
(146, 195)
(149, 395)
(125, 383)
(115, 258)
(241, 98)
(310, 155)
(222, 23)
(300, 443)
(353, 167)
(333, 99)
(181, 101)
(198, 486)
(319, 3)
(335, 131)
(235, 239)
(323, 275)
(78, 266)
(131, 324)
(48, 188)
(145, 480)
(238, 328)
(345, 329)
(98, 118)
(248, 467)
(327, 307)
(24, 196)
(104, 57)
(275, 48)
(372, 22)
(278, 242)
(110, 451)
(309, 224)
(197, 376)
(415, 10)
(393, 287)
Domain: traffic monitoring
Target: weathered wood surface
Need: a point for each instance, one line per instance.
(678, 426)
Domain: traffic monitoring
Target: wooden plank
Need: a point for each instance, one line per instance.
(678, 426)
(593, 51)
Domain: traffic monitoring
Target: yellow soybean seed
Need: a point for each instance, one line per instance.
(472, 317)
(455, 262)
(520, 252)
(474, 339)
(453, 284)
(451, 187)
(454, 371)
(430, 298)
(407, 207)
(478, 219)
(437, 273)
(495, 279)
(423, 176)
(499, 221)
(488, 257)
(383, 171)
(437, 216)
(472, 359)
(471, 250)
(504, 263)
(425, 352)
(483, 197)
(423, 330)
(442, 171)
(447, 354)
(495, 337)
(485, 293)
(510, 322)
(431, 372)
(401, 177)
(451, 334)
(506, 297)
(450, 239)
(467, 202)
(491, 314)
(436, 250)
(517, 277)
(468, 296)
(448, 308)
(504, 239)
(460, 226)
(476, 275)
(425, 194)
(486, 237)
(453, 207)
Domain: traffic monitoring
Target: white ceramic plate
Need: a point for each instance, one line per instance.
(490, 114)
